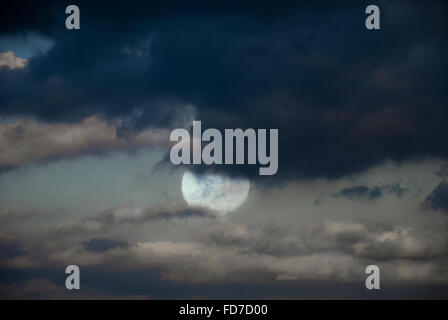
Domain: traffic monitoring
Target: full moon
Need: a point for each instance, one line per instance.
(220, 193)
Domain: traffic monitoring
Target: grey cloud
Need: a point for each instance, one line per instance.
(28, 141)
(131, 215)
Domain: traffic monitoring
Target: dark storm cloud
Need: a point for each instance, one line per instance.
(438, 198)
(343, 98)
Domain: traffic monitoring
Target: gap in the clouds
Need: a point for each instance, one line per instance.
(86, 185)
(26, 45)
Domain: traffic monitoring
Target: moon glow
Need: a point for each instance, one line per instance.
(216, 192)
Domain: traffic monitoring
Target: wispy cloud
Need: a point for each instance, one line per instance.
(29, 141)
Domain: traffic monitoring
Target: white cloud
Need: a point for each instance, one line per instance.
(9, 60)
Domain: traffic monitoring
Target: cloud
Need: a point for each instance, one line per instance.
(28, 141)
(9, 60)
(128, 215)
(438, 198)
(103, 244)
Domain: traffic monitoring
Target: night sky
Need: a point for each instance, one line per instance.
(86, 178)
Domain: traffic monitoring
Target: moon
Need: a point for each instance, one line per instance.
(220, 193)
